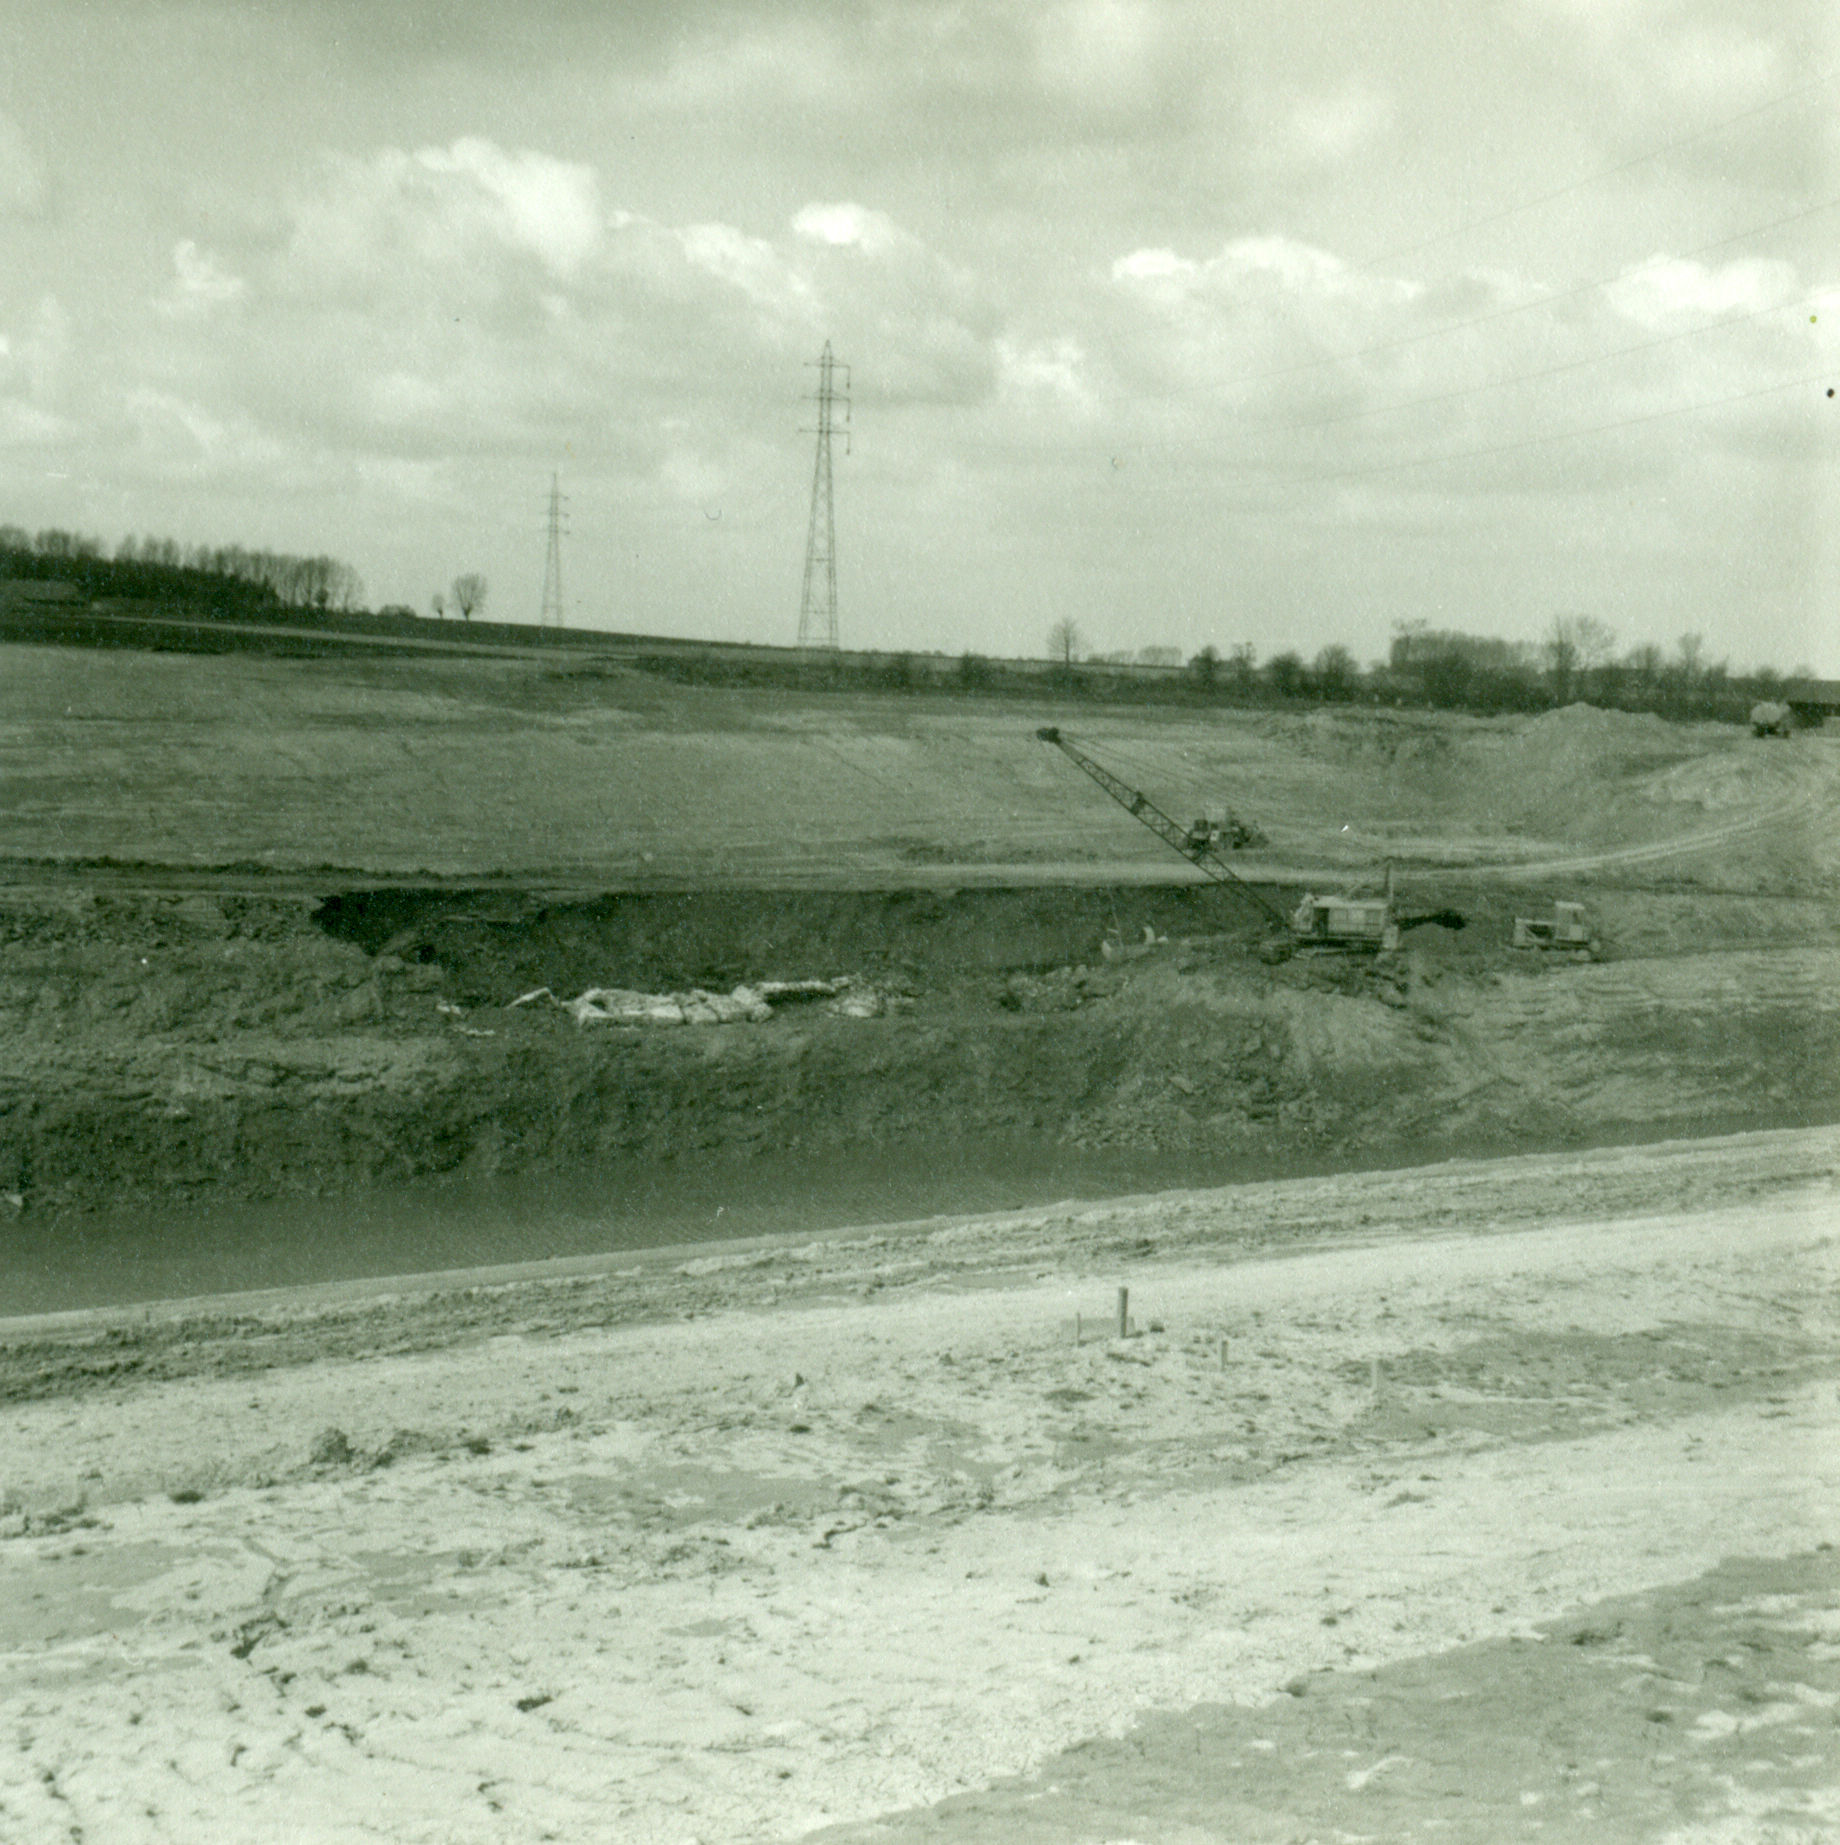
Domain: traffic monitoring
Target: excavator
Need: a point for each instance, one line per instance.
(1196, 842)
(1347, 921)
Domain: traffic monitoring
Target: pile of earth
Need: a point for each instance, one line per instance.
(1590, 777)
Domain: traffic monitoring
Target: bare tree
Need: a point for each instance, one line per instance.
(438, 603)
(1575, 644)
(469, 594)
(1645, 663)
(1065, 641)
(1335, 673)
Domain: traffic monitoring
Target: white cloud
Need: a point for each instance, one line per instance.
(35, 364)
(750, 264)
(404, 399)
(1102, 54)
(1055, 369)
(1153, 266)
(1665, 64)
(1665, 292)
(693, 478)
(550, 207)
(1721, 65)
(1329, 128)
(40, 393)
(872, 232)
(178, 437)
(1254, 269)
(199, 283)
(469, 214)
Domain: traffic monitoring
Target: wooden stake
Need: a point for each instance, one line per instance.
(1223, 1354)
(1376, 1376)
(1124, 1317)
(1078, 1330)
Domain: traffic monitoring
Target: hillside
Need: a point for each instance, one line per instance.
(462, 768)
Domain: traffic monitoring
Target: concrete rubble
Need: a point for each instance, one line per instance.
(843, 997)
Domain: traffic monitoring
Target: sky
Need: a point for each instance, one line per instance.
(1281, 322)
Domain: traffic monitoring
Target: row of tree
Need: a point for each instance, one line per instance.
(1576, 661)
(225, 579)
(161, 569)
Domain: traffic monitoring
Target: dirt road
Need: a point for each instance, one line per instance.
(791, 1537)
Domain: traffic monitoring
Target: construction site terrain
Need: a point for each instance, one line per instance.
(264, 922)
(1461, 1452)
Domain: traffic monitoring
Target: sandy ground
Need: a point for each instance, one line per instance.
(787, 1538)
(487, 768)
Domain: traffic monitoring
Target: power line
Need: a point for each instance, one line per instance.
(1550, 371)
(1369, 263)
(1557, 435)
(1475, 320)
(1603, 173)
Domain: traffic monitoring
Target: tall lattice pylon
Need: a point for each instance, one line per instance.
(552, 616)
(818, 605)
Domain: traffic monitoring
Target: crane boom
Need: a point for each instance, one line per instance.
(1192, 842)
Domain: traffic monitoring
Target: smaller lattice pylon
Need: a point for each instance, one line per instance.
(552, 616)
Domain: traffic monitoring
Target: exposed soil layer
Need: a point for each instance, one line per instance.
(219, 1046)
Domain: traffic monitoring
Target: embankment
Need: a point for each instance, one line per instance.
(166, 1047)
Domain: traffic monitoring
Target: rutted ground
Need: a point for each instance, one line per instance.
(826, 1532)
(875, 1526)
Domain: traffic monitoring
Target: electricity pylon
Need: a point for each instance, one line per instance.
(552, 565)
(818, 605)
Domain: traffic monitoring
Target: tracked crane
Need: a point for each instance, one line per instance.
(1196, 843)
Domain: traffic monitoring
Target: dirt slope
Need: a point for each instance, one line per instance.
(467, 769)
(199, 1047)
(225, 1039)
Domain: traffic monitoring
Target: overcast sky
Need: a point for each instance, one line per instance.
(1281, 321)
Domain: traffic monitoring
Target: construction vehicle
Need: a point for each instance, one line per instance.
(1349, 921)
(1568, 928)
(1197, 842)
(1772, 720)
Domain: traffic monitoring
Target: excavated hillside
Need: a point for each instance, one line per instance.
(938, 923)
(159, 1046)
